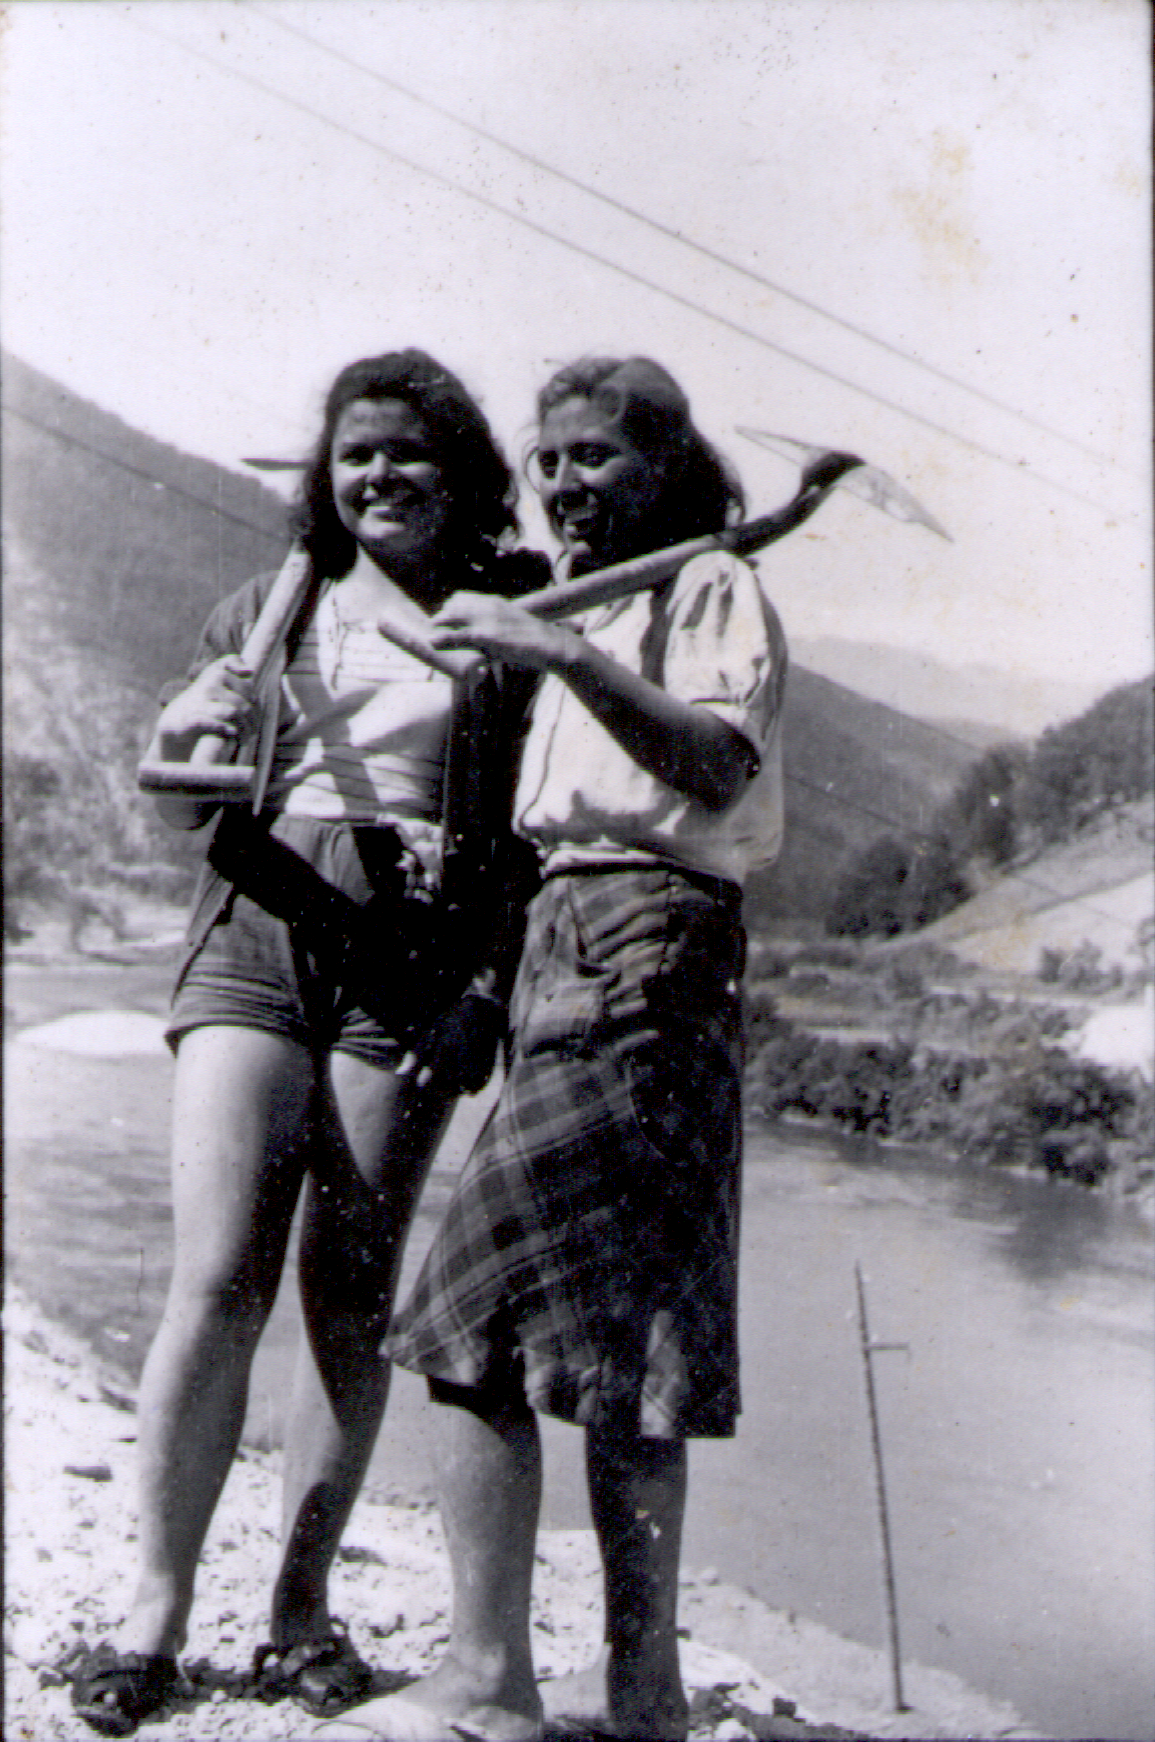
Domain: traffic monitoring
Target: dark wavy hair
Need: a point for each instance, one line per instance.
(480, 485)
(702, 493)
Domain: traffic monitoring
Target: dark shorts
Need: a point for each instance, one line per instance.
(589, 1253)
(249, 974)
(254, 970)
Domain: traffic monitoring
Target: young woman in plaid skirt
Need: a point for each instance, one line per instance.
(587, 1265)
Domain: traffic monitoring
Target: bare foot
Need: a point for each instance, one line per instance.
(642, 1708)
(151, 1629)
(580, 1700)
(448, 1706)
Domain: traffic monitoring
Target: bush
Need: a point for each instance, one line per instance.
(1029, 1104)
(895, 887)
(77, 830)
(1079, 970)
(980, 817)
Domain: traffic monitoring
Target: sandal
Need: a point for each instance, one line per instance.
(323, 1675)
(115, 1691)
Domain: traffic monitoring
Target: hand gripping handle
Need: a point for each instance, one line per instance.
(606, 585)
(207, 774)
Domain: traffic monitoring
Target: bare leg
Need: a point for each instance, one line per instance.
(638, 1498)
(489, 1465)
(374, 1147)
(239, 1118)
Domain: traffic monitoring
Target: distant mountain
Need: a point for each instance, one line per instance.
(116, 548)
(980, 702)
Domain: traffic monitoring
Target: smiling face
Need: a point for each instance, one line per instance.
(388, 488)
(602, 494)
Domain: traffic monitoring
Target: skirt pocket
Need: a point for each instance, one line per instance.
(686, 1099)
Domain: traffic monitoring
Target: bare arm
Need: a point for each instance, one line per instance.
(685, 746)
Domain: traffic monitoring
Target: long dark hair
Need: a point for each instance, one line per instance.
(701, 491)
(482, 489)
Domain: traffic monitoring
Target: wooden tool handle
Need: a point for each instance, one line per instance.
(217, 784)
(285, 599)
(604, 586)
(634, 576)
(205, 775)
(562, 600)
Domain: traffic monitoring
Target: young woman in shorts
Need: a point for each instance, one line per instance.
(334, 999)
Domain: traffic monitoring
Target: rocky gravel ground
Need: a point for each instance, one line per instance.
(70, 1531)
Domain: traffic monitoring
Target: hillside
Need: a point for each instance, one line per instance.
(115, 549)
(855, 770)
(117, 546)
(1093, 893)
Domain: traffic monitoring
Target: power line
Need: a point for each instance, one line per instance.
(112, 459)
(679, 236)
(137, 471)
(904, 830)
(850, 804)
(1020, 468)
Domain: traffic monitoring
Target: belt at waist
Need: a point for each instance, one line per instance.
(720, 889)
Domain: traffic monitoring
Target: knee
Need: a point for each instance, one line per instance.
(634, 1454)
(499, 1407)
(349, 1282)
(232, 1302)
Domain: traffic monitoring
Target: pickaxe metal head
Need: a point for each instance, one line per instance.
(870, 483)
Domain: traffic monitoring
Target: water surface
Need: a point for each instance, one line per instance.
(1018, 1430)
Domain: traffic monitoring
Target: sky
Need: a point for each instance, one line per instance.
(915, 229)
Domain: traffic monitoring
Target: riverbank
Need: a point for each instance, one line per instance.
(1030, 1563)
(903, 1041)
(751, 1671)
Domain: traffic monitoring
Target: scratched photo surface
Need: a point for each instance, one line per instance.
(916, 232)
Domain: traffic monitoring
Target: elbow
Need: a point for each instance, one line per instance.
(183, 814)
(724, 776)
(722, 789)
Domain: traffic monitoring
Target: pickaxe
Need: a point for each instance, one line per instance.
(207, 775)
(868, 482)
(823, 470)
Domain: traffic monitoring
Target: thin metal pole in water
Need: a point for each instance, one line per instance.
(869, 1349)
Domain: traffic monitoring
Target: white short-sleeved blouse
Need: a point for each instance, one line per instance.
(711, 639)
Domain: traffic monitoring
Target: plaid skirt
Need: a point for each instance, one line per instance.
(589, 1254)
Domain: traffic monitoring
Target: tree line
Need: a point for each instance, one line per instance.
(1011, 804)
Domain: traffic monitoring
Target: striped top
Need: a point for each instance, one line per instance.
(362, 733)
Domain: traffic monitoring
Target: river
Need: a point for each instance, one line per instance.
(1017, 1428)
